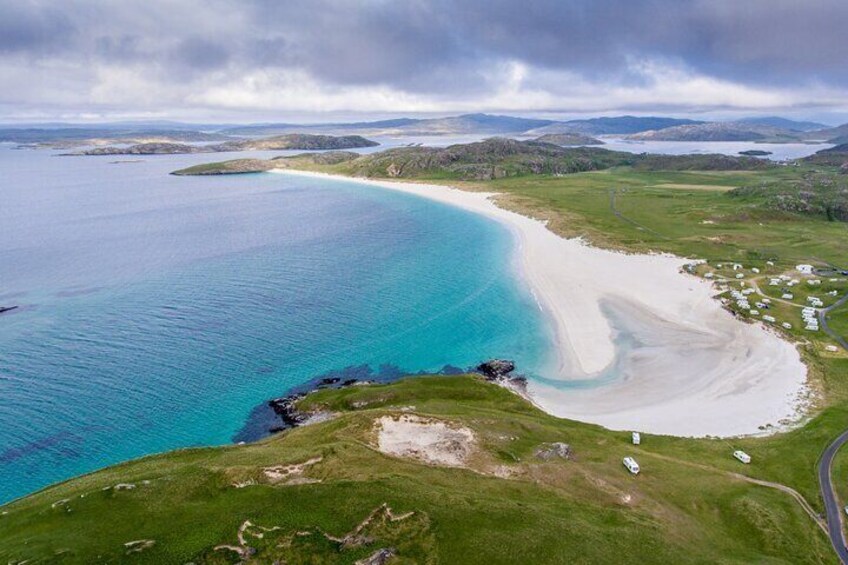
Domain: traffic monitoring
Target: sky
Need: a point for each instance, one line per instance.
(242, 60)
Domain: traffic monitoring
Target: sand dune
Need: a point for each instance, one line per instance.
(641, 345)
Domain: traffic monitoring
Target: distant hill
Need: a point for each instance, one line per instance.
(566, 139)
(106, 134)
(485, 124)
(499, 158)
(283, 128)
(782, 123)
(484, 160)
(293, 141)
(144, 149)
(835, 156)
(719, 131)
(618, 125)
(838, 135)
(299, 141)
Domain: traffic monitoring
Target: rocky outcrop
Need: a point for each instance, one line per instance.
(548, 451)
(379, 557)
(499, 371)
(496, 368)
(286, 408)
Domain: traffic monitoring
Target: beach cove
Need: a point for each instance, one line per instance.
(640, 345)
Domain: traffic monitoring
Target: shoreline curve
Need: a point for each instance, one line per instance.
(640, 345)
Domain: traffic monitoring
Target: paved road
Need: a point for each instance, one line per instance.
(831, 504)
(826, 328)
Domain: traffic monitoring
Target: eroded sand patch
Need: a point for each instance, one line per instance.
(291, 474)
(425, 439)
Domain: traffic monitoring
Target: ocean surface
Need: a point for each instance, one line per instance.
(157, 312)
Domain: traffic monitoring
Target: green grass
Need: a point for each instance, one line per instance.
(588, 509)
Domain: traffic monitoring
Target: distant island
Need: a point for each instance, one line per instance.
(293, 141)
(566, 139)
(767, 129)
(755, 153)
(720, 131)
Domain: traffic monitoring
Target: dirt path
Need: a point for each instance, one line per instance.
(777, 486)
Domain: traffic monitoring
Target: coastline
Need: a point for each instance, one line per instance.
(640, 345)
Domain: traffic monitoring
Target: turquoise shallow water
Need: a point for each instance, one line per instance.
(157, 312)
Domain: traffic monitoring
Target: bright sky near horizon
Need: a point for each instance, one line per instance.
(251, 60)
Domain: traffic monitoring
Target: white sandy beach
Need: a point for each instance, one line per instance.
(683, 367)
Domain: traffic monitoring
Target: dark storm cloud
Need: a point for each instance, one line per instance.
(26, 28)
(766, 41)
(440, 47)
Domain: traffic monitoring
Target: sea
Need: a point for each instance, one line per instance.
(158, 312)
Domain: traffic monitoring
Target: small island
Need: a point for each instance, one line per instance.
(569, 139)
(288, 142)
(232, 167)
(755, 153)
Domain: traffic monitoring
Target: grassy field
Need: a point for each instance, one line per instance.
(685, 506)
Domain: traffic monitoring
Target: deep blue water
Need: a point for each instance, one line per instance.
(156, 312)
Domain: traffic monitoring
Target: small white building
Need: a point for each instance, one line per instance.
(708, 275)
(754, 312)
(631, 465)
(770, 263)
(804, 269)
(736, 266)
(787, 296)
(768, 318)
(755, 270)
(831, 348)
(766, 300)
(740, 276)
(742, 456)
(787, 325)
(637, 438)
(814, 282)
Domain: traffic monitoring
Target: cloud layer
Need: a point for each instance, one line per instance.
(239, 59)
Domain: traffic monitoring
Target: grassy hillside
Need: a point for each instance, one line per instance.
(686, 506)
(499, 158)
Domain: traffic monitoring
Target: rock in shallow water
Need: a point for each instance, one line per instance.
(496, 368)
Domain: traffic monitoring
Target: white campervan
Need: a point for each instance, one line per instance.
(631, 465)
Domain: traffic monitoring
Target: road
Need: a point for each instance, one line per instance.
(831, 504)
(826, 328)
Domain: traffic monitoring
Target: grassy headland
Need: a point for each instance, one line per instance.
(686, 505)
